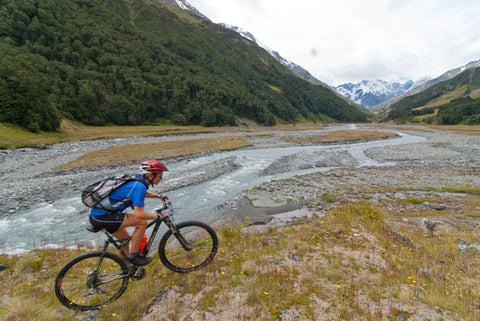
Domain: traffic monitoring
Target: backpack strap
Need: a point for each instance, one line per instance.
(134, 178)
(118, 202)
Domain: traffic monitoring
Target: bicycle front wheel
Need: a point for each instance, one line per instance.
(91, 280)
(191, 247)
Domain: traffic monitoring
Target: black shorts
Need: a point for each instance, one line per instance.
(110, 222)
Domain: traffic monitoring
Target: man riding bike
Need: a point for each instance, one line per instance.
(113, 218)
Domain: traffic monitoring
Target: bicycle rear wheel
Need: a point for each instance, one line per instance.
(199, 248)
(89, 282)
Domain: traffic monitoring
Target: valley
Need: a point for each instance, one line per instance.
(372, 230)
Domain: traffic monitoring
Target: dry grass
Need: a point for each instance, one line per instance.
(445, 98)
(14, 137)
(168, 149)
(337, 136)
(461, 129)
(475, 94)
(341, 266)
(423, 118)
(401, 127)
(160, 150)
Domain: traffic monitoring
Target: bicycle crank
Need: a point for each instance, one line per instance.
(139, 274)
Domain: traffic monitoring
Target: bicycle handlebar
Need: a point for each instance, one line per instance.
(166, 205)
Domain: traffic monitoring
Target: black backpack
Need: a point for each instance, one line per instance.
(96, 192)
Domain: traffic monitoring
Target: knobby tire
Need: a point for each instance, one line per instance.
(77, 287)
(202, 241)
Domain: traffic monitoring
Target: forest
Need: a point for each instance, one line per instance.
(143, 62)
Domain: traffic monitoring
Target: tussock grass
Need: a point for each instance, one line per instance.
(13, 136)
(356, 262)
(160, 150)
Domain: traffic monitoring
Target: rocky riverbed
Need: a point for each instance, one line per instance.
(446, 161)
(29, 175)
(436, 175)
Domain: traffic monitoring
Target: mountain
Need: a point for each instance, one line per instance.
(296, 69)
(369, 93)
(187, 6)
(426, 84)
(143, 61)
(453, 101)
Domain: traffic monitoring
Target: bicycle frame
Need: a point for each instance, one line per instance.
(168, 221)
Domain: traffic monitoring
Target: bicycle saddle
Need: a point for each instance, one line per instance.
(93, 229)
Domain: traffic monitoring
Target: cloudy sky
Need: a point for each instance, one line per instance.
(341, 41)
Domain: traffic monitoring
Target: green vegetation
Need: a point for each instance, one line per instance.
(451, 102)
(346, 265)
(135, 62)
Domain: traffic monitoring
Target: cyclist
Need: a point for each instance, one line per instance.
(131, 194)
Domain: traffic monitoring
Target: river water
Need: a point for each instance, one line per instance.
(63, 222)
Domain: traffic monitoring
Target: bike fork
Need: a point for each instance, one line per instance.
(179, 236)
(182, 241)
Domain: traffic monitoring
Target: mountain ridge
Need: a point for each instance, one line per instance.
(296, 69)
(370, 93)
(452, 101)
(373, 95)
(426, 84)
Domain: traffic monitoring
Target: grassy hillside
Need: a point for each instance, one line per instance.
(455, 101)
(135, 62)
(361, 260)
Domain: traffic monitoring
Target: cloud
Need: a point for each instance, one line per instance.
(350, 40)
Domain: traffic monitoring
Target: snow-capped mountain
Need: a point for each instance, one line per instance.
(369, 93)
(243, 33)
(429, 83)
(187, 6)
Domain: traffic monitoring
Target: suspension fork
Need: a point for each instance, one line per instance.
(178, 235)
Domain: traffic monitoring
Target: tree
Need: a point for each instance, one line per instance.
(24, 95)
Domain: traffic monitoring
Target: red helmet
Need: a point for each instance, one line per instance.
(152, 166)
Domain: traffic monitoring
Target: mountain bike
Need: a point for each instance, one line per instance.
(92, 280)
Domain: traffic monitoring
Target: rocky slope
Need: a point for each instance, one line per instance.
(427, 196)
